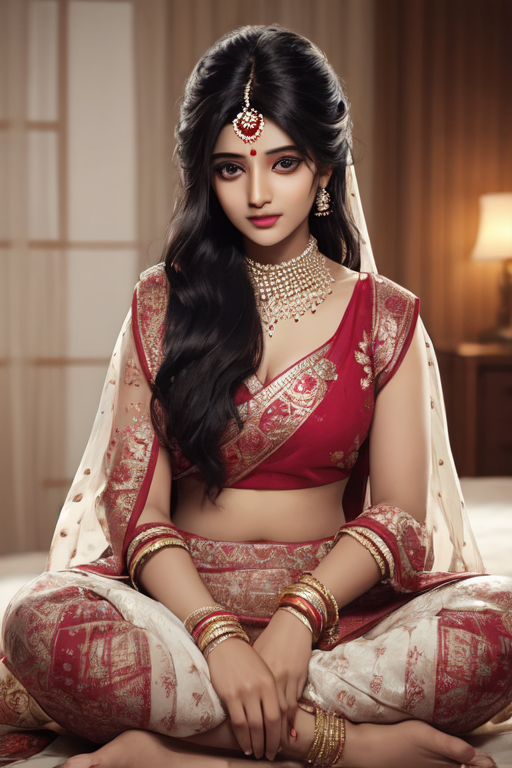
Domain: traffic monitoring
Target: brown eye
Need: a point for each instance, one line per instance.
(228, 171)
(287, 164)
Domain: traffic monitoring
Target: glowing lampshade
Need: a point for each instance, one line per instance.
(494, 240)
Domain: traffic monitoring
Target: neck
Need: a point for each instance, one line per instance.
(289, 248)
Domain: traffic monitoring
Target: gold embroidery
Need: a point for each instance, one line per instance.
(248, 578)
(127, 460)
(276, 412)
(131, 373)
(152, 298)
(253, 384)
(393, 315)
(326, 369)
(348, 461)
(363, 358)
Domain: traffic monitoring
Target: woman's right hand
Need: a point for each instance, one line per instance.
(247, 689)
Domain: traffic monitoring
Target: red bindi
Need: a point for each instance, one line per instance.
(253, 152)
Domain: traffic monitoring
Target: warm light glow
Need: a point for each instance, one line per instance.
(494, 240)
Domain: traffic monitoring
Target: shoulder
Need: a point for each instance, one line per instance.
(391, 303)
(394, 315)
(389, 296)
(150, 300)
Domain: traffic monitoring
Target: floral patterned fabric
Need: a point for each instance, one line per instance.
(306, 427)
(100, 657)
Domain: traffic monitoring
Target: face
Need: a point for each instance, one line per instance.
(266, 189)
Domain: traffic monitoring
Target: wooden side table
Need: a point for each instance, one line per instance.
(477, 384)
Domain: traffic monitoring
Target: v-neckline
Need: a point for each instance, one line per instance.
(261, 386)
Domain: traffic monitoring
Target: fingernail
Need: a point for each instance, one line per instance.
(248, 753)
(293, 733)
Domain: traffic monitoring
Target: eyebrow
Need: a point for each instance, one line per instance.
(288, 148)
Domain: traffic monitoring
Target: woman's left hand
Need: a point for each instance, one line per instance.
(285, 647)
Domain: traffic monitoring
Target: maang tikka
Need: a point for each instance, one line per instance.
(248, 124)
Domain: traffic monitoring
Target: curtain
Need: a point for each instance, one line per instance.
(443, 122)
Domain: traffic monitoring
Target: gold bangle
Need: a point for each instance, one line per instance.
(308, 578)
(152, 533)
(298, 615)
(372, 549)
(147, 552)
(317, 625)
(214, 643)
(195, 617)
(331, 631)
(173, 541)
(341, 740)
(317, 602)
(308, 594)
(312, 755)
(212, 632)
(329, 740)
(330, 601)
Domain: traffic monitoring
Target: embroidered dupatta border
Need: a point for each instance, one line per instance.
(149, 306)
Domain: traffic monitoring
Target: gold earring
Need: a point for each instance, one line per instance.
(323, 202)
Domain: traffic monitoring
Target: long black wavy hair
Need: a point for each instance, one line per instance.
(213, 336)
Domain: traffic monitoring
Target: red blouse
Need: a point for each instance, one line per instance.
(307, 427)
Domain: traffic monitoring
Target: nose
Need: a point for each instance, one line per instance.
(260, 191)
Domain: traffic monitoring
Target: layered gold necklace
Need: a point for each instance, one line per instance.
(291, 288)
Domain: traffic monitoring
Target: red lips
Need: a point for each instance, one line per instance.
(264, 221)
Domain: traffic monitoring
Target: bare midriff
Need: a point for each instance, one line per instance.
(305, 514)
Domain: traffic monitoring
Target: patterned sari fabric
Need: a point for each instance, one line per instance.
(99, 657)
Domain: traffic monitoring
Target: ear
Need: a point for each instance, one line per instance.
(324, 179)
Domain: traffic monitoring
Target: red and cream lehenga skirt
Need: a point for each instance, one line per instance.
(100, 658)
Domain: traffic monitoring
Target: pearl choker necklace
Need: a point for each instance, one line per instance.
(291, 288)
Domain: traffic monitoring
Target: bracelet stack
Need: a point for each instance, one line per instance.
(149, 540)
(211, 625)
(313, 604)
(329, 741)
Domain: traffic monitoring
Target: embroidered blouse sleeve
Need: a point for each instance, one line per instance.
(392, 528)
(395, 313)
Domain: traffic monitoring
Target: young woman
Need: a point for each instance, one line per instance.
(316, 595)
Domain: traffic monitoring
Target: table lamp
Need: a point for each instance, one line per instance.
(494, 243)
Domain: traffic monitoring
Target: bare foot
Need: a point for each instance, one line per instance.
(134, 749)
(400, 745)
(411, 743)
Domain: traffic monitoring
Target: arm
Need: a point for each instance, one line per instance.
(240, 677)
(399, 470)
(165, 575)
(399, 462)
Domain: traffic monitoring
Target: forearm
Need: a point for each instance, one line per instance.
(349, 570)
(170, 575)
